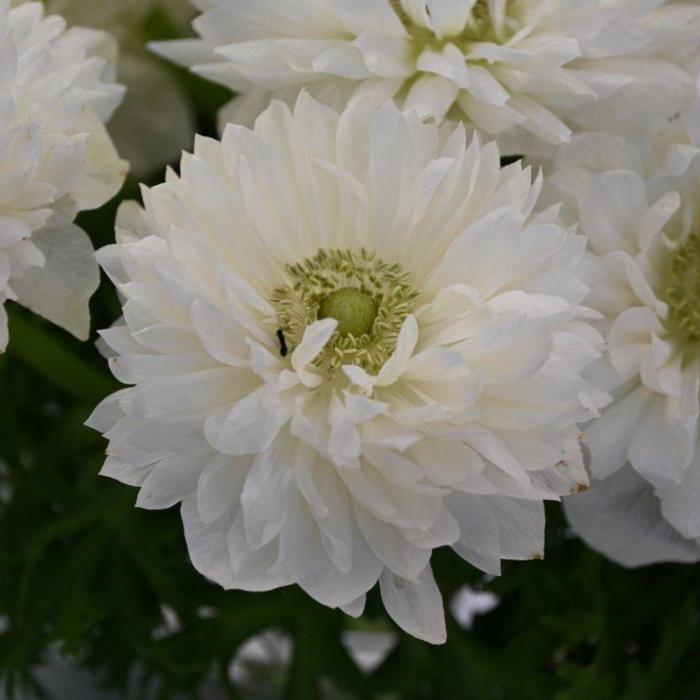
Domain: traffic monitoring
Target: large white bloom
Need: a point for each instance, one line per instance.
(56, 91)
(529, 71)
(639, 203)
(350, 343)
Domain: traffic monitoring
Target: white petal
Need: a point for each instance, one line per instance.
(220, 485)
(252, 569)
(663, 444)
(432, 96)
(327, 500)
(125, 472)
(220, 335)
(249, 427)
(415, 607)
(621, 517)
(479, 541)
(611, 210)
(397, 364)
(356, 607)
(4, 332)
(679, 503)
(448, 17)
(303, 554)
(206, 544)
(608, 438)
(443, 532)
(390, 546)
(61, 289)
(266, 494)
(315, 338)
(520, 527)
(107, 414)
(386, 56)
(173, 479)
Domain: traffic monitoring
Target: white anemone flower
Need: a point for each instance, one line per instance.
(528, 71)
(56, 92)
(350, 342)
(642, 216)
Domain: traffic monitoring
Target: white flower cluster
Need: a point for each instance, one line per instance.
(56, 92)
(350, 334)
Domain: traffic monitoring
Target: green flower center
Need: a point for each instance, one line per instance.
(682, 294)
(368, 297)
(354, 310)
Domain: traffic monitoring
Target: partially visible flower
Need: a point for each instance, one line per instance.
(155, 123)
(56, 91)
(640, 206)
(467, 604)
(261, 664)
(350, 342)
(527, 71)
(369, 648)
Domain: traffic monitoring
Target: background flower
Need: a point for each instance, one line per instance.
(56, 91)
(346, 357)
(638, 203)
(528, 71)
(156, 122)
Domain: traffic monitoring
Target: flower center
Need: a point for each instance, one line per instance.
(368, 297)
(682, 294)
(354, 310)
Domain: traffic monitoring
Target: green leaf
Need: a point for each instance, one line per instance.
(47, 351)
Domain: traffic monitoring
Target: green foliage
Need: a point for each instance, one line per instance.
(84, 571)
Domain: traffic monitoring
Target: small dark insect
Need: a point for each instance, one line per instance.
(283, 343)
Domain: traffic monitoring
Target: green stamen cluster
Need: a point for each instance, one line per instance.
(354, 310)
(369, 298)
(682, 294)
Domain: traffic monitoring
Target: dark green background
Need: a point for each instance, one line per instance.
(83, 571)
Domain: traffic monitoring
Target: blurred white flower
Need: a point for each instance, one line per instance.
(56, 91)
(529, 71)
(155, 123)
(639, 203)
(467, 603)
(262, 663)
(369, 648)
(350, 343)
